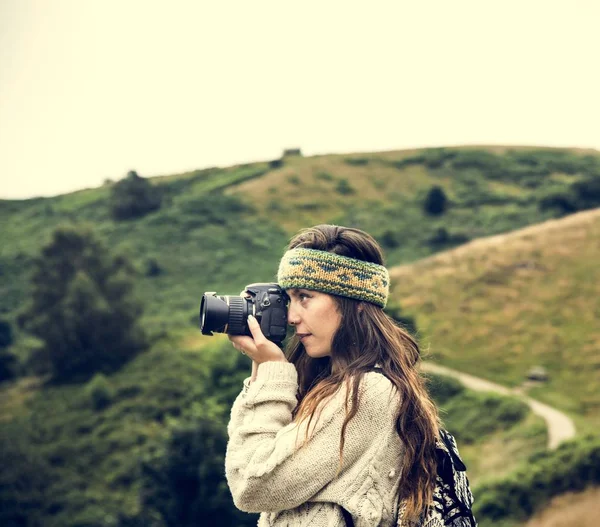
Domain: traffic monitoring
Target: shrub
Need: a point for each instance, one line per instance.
(82, 306)
(389, 239)
(25, 478)
(468, 422)
(185, 486)
(443, 387)
(276, 163)
(152, 268)
(99, 392)
(8, 365)
(357, 161)
(572, 467)
(293, 179)
(343, 187)
(587, 192)
(133, 197)
(435, 201)
(325, 176)
(562, 202)
(6, 336)
(443, 238)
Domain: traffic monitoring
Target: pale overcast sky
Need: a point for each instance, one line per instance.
(90, 89)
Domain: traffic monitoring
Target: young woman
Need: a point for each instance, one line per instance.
(339, 429)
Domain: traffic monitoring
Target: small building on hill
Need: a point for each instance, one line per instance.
(292, 152)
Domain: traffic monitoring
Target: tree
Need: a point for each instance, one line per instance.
(185, 486)
(435, 201)
(82, 306)
(133, 197)
(8, 360)
(6, 336)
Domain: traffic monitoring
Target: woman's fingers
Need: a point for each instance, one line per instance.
(258, 347)
(257, 334)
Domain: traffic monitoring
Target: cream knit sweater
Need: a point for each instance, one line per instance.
(271, 469)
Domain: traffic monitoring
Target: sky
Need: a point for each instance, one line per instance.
(90, 89)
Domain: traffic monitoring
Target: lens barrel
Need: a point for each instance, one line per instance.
(223, 314)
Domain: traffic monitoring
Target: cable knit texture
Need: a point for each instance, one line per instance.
(272, 469)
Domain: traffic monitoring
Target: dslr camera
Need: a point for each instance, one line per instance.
(267, 302)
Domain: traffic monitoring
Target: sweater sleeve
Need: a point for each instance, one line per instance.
(269, 465)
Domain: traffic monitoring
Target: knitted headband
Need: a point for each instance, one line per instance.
(331, 273)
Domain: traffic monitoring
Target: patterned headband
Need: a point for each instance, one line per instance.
(331, 273)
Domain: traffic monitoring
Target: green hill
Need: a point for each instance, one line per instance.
(218, 229)
(214, 221)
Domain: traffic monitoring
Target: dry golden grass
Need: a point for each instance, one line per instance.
(499, 305)
(295, 196)
(570, 510)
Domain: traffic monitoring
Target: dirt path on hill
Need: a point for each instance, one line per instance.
(560, 426)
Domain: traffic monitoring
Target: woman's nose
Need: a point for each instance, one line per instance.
(292, 317)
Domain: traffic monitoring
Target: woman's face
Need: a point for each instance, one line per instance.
(316, 318)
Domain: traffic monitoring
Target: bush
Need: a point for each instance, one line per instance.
(389, 239)
(435, 201)
(324, 176)
(562, 202)
(357, 161)
(587, 192)
(152, 268)
(82, 306)
(185, 486)
(344, 188)
(472, 415)
(25, 478)
(133, 197)
(443, 387)
(572, 467)
(8, 365)
(442, 238)
(99, 392)
(6, 336)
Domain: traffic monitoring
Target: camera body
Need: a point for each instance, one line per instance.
(267, 302)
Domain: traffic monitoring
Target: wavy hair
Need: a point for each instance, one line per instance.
(368, 336)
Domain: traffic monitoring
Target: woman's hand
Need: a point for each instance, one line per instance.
(258, 347)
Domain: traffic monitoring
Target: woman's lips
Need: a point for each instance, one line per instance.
(302, 336)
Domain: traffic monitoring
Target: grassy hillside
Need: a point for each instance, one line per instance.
(77, 448)
(214, 221)
(500, 305)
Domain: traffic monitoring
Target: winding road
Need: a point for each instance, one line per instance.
(560, 426)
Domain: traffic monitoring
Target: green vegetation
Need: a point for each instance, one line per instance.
(133, 197)
(494, 434)
(501, 306)
(82, 307)
(112, 450)
(574, 466)
(435, 201)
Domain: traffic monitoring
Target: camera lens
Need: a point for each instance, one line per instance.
(223, 314)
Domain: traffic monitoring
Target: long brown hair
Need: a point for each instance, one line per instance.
(368, 336)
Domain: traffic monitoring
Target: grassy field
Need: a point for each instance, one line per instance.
(498, 306)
